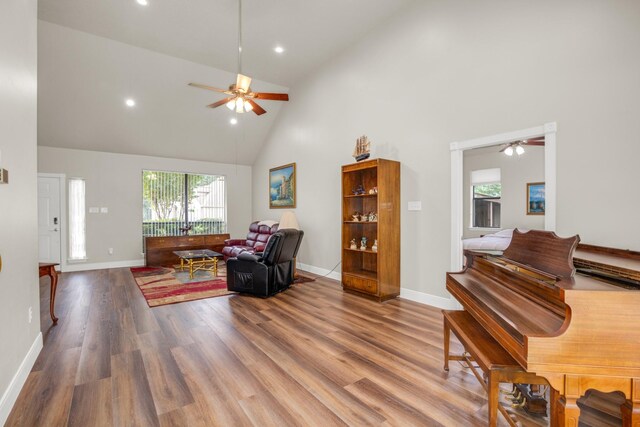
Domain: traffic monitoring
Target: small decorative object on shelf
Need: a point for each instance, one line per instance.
(374, 248)
(373, 217)
(353, 244)
(363, 148)
(363, 243)
(374, 190)
(356, 216)
(359, 191)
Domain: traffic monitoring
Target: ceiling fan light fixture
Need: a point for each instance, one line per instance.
(509, 151)
(519, 150)
(239, 105)
(247, 106)
(231, 105)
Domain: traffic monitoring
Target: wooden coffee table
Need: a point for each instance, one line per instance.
(203, 259)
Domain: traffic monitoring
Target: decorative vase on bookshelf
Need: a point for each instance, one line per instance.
(372, 271)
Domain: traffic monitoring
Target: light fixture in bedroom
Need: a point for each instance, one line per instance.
(518, 146)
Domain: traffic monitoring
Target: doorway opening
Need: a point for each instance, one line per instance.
(460, 221)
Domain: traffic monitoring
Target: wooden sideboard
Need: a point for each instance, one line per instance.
(159, 250)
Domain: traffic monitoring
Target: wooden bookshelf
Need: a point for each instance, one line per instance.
(375, 274)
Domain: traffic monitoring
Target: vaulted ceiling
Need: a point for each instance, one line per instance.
(93, 54)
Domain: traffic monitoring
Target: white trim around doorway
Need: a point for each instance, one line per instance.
(548, 130)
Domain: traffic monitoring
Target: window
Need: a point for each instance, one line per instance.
(174, 203)
(77, 236)
(486, 193)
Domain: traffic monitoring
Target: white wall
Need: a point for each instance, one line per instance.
(18, 199)
(516, 171)
(440, 72)
(115, 181)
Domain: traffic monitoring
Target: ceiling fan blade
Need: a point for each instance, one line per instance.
(272, 96)
(534, 142)
(505, 147)
(256, 108)
(215, 89)
(243, 83)
(219, 103)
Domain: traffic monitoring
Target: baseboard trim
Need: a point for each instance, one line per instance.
(17, 382)
(320, 271)
(409, 294)
(428, 299)
(103, 265)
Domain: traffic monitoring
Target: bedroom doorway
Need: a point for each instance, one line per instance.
(476, 200)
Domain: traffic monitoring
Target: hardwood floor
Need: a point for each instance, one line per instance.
(311, 356)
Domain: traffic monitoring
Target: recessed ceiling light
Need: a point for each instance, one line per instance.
(142, 2)
(130, 102)
(233, 121)
(278, 49)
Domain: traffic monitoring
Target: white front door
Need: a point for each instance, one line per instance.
(49, 219)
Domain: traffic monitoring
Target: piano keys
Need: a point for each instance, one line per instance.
(578, 331)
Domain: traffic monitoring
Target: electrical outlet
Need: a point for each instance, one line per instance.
(30, 314)
(110, 250)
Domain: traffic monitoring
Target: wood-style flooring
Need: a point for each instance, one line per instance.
(310, 356)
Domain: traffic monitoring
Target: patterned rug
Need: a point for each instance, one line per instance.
(161, 286)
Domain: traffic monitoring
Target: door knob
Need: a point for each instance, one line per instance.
(55, 229)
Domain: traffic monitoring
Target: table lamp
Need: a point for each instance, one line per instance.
(288, 220)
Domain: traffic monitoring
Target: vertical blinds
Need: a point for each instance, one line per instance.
(173, 202)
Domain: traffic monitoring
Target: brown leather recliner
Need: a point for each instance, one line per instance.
(269, 272)
(255, 242)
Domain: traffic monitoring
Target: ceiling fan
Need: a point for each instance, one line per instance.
(518, 146)
(241, 98)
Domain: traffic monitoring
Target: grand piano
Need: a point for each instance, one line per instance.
(576, 331)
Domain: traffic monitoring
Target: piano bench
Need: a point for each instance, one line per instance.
(495, 362)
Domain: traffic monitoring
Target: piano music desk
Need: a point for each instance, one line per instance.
(495, 362)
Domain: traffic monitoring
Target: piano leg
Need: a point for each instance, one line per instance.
(631, 408)
(568, 412)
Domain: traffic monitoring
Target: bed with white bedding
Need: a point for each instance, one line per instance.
(490, 242)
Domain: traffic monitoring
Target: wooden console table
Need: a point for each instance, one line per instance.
(49, 269)
(159, 250)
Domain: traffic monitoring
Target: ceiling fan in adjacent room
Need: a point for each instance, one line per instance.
(518, 146)
(240, 97)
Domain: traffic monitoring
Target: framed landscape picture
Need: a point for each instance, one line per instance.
(535, 198)
(282, 187)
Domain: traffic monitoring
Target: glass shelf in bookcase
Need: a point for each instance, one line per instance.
(366, 251)
(350, 196)
(360, 222)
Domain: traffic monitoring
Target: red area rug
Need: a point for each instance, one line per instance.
(161, 286)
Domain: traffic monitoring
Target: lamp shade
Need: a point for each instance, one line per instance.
(288, 220)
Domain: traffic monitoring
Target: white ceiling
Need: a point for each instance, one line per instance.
(84, 80)
(205, 31)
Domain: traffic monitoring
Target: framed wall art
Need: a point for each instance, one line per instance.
(282, 187)
(535, 198)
